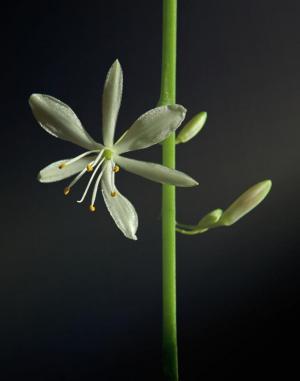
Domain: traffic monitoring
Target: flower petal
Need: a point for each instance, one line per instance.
(111, 102)
(156, 172)
(151, 128)
(121, 210)
(53, 173)
(60, 121)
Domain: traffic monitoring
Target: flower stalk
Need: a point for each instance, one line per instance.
(167, 97)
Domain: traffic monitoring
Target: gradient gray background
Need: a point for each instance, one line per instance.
(79, 301)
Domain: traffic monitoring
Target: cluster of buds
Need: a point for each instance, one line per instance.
(238, 209)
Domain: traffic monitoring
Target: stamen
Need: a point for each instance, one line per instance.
(62, 165)
(96, 185)
(116, 169)
(96, 161)
(90, 167)
(113, 194)
(78, 177)
(67, 191)
(90, 181)
(92, 208)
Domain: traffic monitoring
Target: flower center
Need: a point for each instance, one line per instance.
(98, 164)
(108, 154)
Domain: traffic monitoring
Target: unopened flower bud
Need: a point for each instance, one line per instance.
(210, 219)
(192, 128)
(245, 203)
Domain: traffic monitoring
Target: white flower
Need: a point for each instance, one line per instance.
(104, 161)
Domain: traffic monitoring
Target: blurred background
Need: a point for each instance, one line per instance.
(78, 300)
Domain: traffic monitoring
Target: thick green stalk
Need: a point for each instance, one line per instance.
(168, 96)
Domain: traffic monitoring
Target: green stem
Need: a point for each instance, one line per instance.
(185, 226)
(168, 96)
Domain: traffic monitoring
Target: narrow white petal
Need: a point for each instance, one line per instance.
(121, 210)
(53, 173)
(60, 121)
(151, 128)
(156, 172)
(111, 102)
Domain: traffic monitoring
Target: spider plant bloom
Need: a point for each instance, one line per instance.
(103, 161)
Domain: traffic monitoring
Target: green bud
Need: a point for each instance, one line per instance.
(210, 219)
(245, 203)
(192, 128)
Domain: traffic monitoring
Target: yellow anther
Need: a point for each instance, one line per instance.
(62, 165)
(67, 190)
(90, 167)
(113, 194)
(92, 208)
(116, 168)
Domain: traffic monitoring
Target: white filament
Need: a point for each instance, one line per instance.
(97, 185)
(90, 181)
(80, 156)
(112, 177)
(78, 177)
(96, 161)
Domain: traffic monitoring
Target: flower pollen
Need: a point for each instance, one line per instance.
(92, 208)
(67, 191)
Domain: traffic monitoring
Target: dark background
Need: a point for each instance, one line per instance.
(78, 300)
